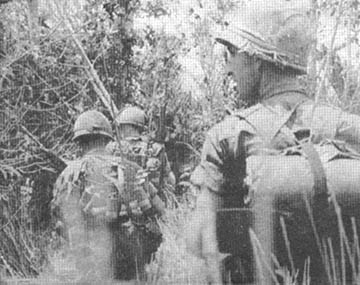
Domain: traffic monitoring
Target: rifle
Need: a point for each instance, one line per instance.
(160, 137)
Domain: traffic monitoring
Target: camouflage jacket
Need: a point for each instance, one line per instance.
(99, 188)
(146, 153)
(268, 128)
(93, 196)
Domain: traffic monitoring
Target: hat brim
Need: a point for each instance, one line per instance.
(254, 45)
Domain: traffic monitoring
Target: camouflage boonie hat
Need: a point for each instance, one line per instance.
(276, 31)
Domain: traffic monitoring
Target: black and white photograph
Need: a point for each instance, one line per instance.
(209, 142)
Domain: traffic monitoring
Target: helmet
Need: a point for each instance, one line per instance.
(277, 31)
(92, 122)
(132, 116)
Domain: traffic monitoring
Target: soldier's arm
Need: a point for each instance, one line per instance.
(170, 176)
(65, 199)
(209, 179)
(159, 153)
(218, 155)
(200, 234)
(57, 215)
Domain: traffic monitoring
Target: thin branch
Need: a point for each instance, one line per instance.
(97, 83)
(42, 147)
(326, 65)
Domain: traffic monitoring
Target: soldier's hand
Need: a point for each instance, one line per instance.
(153, 164)
(200, 234)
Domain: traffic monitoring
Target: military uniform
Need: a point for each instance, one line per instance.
(236, 149)
(87, 201)
(87, 225)
(271, 127)
(265, 59)
(147, 154)
(103, 208)
(279, 45)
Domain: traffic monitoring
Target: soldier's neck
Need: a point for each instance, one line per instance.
(94, 147)
(275, 82)
(129, 132)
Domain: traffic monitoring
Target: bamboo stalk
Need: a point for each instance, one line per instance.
(98, 85)
(92, 73)
(326, 65)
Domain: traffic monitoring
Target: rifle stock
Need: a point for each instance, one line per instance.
(160, 137)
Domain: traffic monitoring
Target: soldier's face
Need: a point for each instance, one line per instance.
(244, 70)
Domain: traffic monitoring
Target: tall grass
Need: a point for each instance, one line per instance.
(336, 269)
(172, 263)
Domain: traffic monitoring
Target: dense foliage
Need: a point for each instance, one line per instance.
(150, 53)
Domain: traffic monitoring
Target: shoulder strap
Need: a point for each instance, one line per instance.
(266, 121)
(320, 188)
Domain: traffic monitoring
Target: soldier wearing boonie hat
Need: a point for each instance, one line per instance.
(268, 45)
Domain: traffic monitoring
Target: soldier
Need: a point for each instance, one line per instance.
(266, 53)
(150, 155)
(96, 199)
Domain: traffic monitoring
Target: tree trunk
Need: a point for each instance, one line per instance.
(33, 17)
(125, 28)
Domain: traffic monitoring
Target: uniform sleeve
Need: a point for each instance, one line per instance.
(60, 189)
(209, 173)
(67, 182)
(64, 204)
(219, 162)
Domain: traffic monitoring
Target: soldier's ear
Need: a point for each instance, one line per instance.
(258, 64)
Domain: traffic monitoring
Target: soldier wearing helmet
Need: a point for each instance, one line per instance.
(267, 49)
(150, 155)
(132, 116)
(92, 127)
(96, 199)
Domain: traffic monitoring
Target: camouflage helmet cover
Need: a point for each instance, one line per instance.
(92, 122)
(132, 116)
(277, 31)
